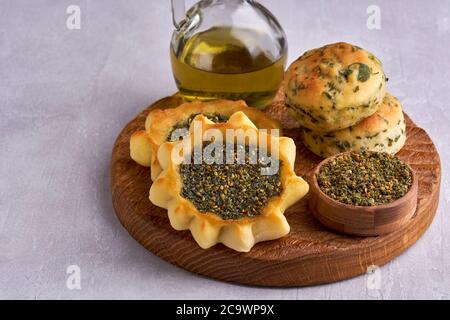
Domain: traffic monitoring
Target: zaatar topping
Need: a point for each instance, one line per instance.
(365, 178)
(230, 191)
(184, 125)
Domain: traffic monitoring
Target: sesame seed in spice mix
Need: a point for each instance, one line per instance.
(365, 178)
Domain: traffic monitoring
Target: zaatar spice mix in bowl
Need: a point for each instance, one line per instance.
(366, 194)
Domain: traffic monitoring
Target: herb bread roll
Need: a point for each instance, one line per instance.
(334, 87)
(384, 131)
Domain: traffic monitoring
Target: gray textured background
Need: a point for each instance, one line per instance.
(64, 96)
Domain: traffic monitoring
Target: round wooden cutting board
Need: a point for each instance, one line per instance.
(310, 254)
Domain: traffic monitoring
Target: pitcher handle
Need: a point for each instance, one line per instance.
(178, 13)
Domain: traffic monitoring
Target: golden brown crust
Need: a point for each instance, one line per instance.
(208, 228)
(334, 87)
(384, 131)
(160, 123)
(388, 114)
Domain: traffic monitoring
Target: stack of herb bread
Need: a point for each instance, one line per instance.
(337, 93)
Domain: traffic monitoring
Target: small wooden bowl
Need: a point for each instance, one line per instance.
(361, 220)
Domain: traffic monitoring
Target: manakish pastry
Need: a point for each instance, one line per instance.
(384, 131)
(334, 87)
(161, 124)
(233, 204)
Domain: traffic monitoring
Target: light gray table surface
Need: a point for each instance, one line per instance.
(66, 94)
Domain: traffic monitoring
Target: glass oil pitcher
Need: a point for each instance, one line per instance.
(227, 49)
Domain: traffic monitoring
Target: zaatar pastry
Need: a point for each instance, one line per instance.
(334, 87)
(161, 124)
(232, 203)
(384, 131)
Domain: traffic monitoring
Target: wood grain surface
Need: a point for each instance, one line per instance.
(310, 254)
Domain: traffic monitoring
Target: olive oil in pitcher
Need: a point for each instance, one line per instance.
(229, 63)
